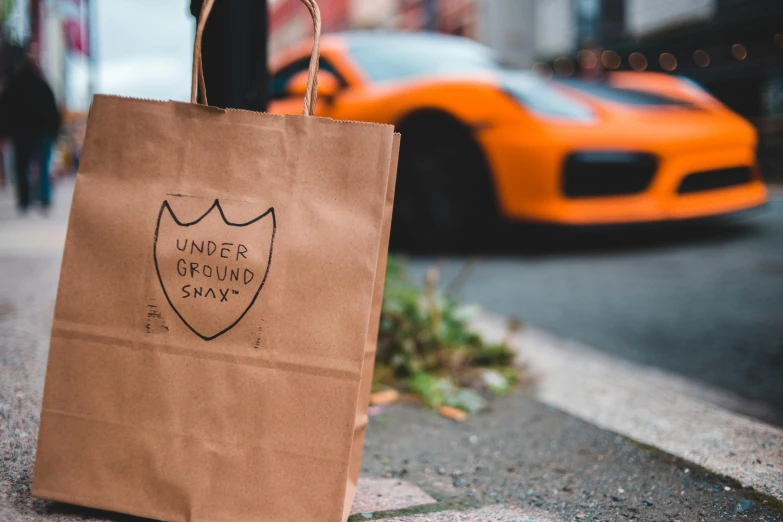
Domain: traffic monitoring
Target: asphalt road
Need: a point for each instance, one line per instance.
(524, 454)
(705, 302)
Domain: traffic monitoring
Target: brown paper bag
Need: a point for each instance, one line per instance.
(371, 346)
(219, 288)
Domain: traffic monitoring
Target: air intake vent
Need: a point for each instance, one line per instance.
(715, 179)
(596, 174)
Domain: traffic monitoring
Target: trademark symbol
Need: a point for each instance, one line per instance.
(235, 292)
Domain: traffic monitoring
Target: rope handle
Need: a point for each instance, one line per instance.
(311, 93)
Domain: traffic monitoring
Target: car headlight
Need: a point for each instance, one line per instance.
(543, 99)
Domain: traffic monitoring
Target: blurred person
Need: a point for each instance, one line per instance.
(234, 54)
(30, 118)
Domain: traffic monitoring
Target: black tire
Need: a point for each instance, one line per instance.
(444, 191)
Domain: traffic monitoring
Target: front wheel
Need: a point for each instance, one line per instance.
(444, 194)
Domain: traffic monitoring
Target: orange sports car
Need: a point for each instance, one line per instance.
(482, 141)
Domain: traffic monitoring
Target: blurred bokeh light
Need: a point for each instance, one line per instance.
(610, 59)
(668, 61)
(701, 58)
(542, 70)
(739, 51)
(637, 61)
(564, 67)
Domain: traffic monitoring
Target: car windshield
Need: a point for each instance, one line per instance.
(386, 57)
(624, 96)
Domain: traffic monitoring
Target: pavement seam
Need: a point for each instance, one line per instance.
(452, 503)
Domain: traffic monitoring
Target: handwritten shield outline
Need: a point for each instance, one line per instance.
(215, 205)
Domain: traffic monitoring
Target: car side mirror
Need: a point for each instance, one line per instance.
(328, 85)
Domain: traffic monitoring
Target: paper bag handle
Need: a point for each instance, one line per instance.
(311, 94)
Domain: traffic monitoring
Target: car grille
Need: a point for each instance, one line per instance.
(715, 179)
(595, 174)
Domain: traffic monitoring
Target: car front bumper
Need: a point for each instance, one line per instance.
(529, 186)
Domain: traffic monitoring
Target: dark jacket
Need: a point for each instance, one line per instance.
(235, 54)
(28, 110)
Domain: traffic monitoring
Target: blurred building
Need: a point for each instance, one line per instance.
(732, 47)
(525, 31)
(508, 26)
(15, 30)
(16, 19)
(457, 17)
(53, 49)
(518, 29)
(290, 22)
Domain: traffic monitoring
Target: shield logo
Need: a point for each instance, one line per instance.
(211, 269)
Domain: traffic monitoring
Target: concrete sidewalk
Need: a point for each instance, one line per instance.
(524, 460)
